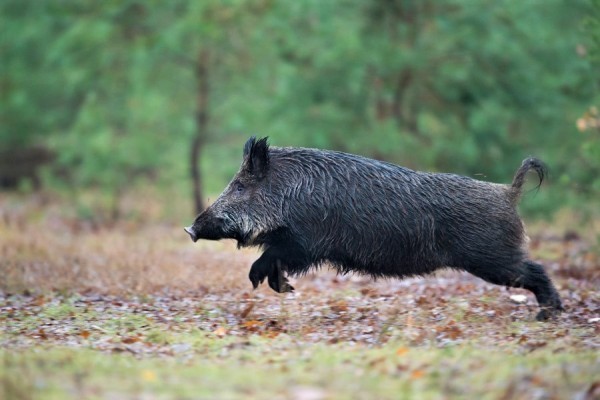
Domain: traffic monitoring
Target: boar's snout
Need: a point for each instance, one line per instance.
(190, 231)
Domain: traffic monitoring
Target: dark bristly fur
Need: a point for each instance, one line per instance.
(306, 207)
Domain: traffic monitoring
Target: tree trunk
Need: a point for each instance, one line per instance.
(399, 107)
(199, 138)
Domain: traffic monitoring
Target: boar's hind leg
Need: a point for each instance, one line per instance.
(537, 281)
(270, 265)
(528, 275)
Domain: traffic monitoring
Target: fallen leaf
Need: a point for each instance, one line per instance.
(220, 331)
(417, 373)
(422, 300)
(252, 324)
(523, 339)
(451, 331)
(401, 367)
(39, 301)
(247, 310)
(402, 351)
(270, 334)
(376, 361)
(148, 376)
(84, 334)
(130, 339)
(534, 345)
(339, 306)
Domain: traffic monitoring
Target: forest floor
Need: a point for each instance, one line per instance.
(135, 310)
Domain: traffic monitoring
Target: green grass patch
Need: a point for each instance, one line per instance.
(275, 368)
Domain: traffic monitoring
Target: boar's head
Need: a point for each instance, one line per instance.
(244, 210)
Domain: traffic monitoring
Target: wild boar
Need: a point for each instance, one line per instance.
(307, 207)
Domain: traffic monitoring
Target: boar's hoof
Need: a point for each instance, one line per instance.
(278, 282)
(257, 274)
(256, 280)
(548, 313)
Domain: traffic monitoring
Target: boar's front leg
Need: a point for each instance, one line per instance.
(277, 280)
(270, 265)
(260, 269)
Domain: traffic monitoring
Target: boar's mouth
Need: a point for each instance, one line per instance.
(209, 227)
(190, 231)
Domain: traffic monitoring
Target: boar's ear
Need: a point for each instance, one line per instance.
(256, 156)
(248, 147)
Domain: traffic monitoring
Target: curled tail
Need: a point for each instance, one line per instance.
(529, 163)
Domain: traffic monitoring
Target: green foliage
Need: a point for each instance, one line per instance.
(447, 86)
(589, 122)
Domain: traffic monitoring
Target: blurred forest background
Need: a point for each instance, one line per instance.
(156, 98)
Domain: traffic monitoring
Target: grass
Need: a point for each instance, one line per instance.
(276, 368)
(136, 310)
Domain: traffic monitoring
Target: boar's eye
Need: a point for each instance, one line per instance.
(238, 187)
